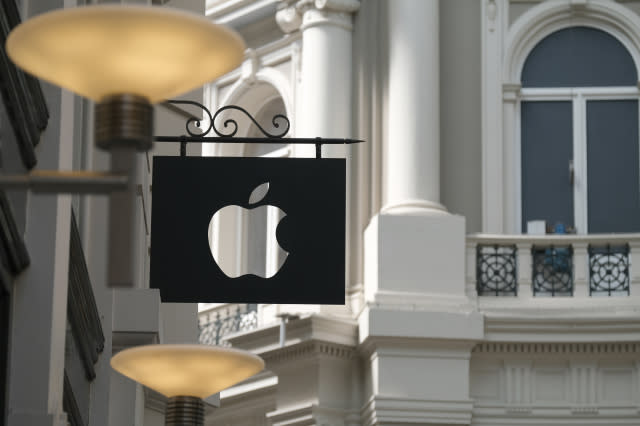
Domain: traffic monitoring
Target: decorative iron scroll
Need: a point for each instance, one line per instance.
(609, 269)
(277, 121)
(230, 128)
(496, 272)
(220, 324)
(552, 271)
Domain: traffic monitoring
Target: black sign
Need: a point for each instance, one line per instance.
(194, 197)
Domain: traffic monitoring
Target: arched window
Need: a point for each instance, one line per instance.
(579, 146)
(244, 242)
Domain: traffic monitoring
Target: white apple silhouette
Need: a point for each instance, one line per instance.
(233, 218)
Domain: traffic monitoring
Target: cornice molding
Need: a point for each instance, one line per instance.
(375, 346)
(552, 327)
(303, 14)
(308, 350)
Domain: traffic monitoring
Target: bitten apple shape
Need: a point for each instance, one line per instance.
(228, 215)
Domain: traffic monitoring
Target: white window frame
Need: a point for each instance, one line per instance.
(578, 96)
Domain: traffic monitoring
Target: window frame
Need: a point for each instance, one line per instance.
(578, 96)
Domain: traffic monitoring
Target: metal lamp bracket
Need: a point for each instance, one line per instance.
(65, 182)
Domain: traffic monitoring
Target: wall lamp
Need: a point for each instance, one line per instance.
(124, 58)
(186, 374)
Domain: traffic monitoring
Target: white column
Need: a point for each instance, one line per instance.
(324, 103)
(414, 247)
(412, 138)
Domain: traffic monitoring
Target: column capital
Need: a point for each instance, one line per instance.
(295, 15)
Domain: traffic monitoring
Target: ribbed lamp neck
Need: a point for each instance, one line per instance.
(184, 411)
(124, 121)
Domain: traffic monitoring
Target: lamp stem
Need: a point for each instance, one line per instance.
(184, 411)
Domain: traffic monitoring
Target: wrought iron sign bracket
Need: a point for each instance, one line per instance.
(86, 182)
(230, 127)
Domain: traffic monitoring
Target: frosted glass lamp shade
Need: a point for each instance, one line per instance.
(186, 370)
(97, 51)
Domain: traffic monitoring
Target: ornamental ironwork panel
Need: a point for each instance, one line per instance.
(221, 323)
(609, 269)
(552, 271)
(496, 270)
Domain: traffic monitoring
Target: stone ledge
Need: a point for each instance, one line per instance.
(393, 410)
(377, 322)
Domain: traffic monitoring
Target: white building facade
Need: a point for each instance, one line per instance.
(493, 235)
(492, 216)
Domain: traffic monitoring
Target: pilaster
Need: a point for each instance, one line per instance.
(414, 380)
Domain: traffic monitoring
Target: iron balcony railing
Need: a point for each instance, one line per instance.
(553, 265)
(215, 324)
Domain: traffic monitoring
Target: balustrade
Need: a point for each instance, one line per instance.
(526, 266)
(226, 319)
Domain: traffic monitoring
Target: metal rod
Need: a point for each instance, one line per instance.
(231, 139)
(71, 182)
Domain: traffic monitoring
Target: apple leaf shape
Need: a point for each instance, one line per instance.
(259, 193)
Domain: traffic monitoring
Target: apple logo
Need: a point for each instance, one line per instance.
(258, 252)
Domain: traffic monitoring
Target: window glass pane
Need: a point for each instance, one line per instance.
(547, 147)
(612, 166)
(579, 57)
